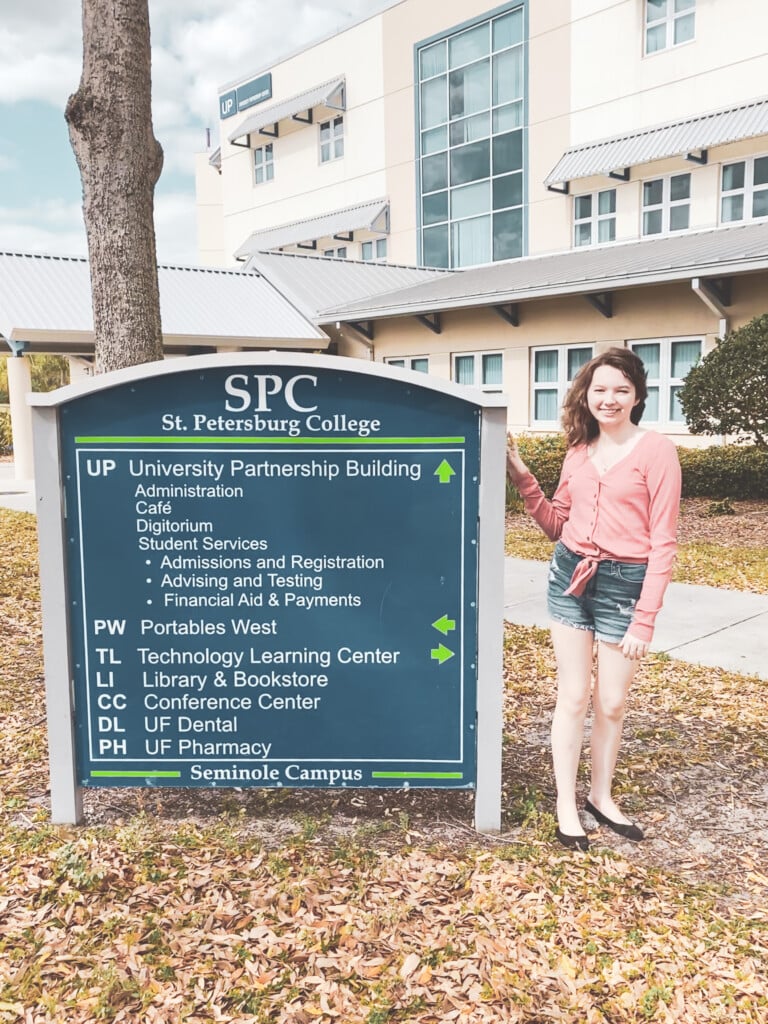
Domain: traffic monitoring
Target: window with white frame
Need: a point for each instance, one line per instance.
(668, 23)
(480, 369)
(667, 204)
(375, 250)
(667, 362)
(263, 164)
(553, 370)
(331, 139)
(594, 217)
(418, 363)
(744, 192)
(339, 253)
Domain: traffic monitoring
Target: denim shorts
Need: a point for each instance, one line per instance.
(607, 604)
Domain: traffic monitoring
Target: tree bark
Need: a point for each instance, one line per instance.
(120, 160)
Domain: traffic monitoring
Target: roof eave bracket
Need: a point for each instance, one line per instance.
(562, 190)
(17, 347)
(700, 158)
(272, 133)
(714, 293)
(307, 245)
(620, 175)
(366, 328)
(431, 321)
(242, 145)
(345, 236)
(309, 119)
(602, 302)
(510, 313)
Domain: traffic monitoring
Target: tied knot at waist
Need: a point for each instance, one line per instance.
(582, 574)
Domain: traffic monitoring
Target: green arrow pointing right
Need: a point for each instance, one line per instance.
(441, 653)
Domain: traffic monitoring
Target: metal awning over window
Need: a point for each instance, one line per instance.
(691, 138)
(330, 95)
(339, 224)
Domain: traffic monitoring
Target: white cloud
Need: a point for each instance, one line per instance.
(197, 47)
(53, 227)
(175, 228)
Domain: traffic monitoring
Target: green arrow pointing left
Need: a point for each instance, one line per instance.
(441, 653)
(445, 471)
(444, 624)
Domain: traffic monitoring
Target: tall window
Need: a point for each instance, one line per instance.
(480, 369)
(418, 363)
(263, 164)
(553, 369)
(667, 362)
(745, 190)
(471, 120)
(376, 250)
(667, 204)
(668, 23)
(594, 218)
(331, 139)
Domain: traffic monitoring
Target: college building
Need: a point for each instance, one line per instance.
(494, 195)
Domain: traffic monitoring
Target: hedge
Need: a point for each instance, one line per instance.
(6, 441)
(733, 471)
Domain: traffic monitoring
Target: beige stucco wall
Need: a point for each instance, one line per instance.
(664, 311)
(614, 87)
(210, 222)
(302, 186)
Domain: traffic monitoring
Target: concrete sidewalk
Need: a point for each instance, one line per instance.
(16, 494)
(703, 625)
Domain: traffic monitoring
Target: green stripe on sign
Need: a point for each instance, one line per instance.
(135, 775)
(270, 440)
(417, 775)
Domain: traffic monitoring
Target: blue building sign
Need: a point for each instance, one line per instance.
(235, 101)
(272, 579)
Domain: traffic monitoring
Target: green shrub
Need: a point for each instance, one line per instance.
(738, 472)
(726, 393)
(6, 442)
(725, 471)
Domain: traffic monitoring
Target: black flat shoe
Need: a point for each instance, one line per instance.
(572, 842)
(632, 832)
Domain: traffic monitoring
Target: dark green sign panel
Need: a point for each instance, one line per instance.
(272, 575)
(235, 101)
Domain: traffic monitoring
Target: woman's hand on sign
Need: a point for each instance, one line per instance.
(516, 468)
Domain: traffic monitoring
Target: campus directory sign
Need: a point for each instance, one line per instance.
(271, 578)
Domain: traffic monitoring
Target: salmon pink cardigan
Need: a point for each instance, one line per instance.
(628, 514)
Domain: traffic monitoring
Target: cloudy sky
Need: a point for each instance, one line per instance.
(198, 46)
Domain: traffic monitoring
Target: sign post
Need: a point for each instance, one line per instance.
(264, 570)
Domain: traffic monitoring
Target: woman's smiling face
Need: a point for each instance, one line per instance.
(611, 397)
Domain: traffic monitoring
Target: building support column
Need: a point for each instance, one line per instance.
(19, 386)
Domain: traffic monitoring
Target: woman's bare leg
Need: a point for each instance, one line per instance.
(573, 652)
(614, 677)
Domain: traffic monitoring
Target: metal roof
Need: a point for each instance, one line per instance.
(662, 141)
(321, 95)
(714, 253)
(371, 216)
(314, 282)
(46, 302)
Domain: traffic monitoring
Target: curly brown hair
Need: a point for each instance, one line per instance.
(579, 424)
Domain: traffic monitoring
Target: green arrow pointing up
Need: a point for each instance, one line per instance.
(441, 653)
(444, 624)
(445, 471)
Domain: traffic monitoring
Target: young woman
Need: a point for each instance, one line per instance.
(614, 515)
